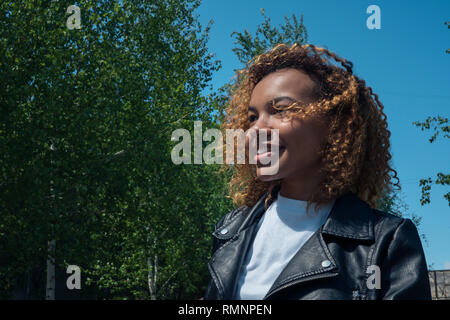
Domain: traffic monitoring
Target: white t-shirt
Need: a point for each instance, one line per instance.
(282, 231)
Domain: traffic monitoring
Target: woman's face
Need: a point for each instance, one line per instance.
(299, 140)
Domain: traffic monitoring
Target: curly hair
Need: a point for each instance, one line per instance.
(355, 158)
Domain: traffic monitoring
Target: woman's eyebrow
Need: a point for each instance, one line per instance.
(273, 101)
(278, 99)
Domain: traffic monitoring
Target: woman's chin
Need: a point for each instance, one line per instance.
(267, 173)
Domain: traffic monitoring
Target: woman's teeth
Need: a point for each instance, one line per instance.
(261, 151)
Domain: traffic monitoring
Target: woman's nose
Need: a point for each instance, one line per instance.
(263, 132)
(263, 124)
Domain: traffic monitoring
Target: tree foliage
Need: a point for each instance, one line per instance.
(447, 23)
(86, 120)
(439, 125)
(248, 46)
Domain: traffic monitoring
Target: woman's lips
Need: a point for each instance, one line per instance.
(263, 157)
(266, 157)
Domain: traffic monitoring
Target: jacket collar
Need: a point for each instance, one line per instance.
(349, 217)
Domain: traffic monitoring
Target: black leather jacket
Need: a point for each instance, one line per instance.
(353, 238)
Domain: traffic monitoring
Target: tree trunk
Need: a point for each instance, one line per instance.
(151, 278)
(50, 290)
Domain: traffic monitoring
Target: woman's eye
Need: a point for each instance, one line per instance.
(252, 118)
(280, 110)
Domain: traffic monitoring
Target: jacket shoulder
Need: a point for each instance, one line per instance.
(385, 217)
(390, 228)
(229, 220)
(404, 273)
(230, 216)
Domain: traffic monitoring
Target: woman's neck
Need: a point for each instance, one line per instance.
(300, 188)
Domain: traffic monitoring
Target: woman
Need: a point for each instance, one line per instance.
(334, 159)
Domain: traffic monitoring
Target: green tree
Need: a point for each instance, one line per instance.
(86, 120)
(447, 23)
(267, 36)
(439, 125)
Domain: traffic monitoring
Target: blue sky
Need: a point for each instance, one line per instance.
(404, 62)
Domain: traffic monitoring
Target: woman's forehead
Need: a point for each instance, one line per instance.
(292, 83)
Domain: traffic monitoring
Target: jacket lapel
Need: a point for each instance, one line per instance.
(351, 218)
(312, 261)
(226, 262)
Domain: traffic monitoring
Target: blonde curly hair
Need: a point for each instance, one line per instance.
(356, 157)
